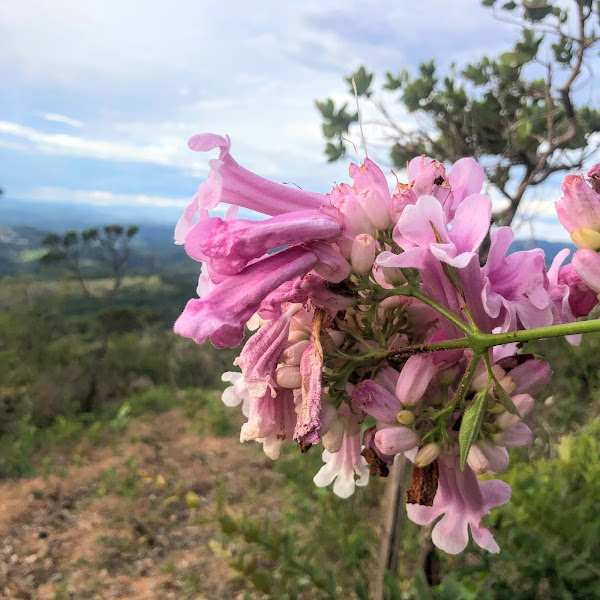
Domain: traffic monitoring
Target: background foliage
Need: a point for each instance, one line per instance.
(316, 545)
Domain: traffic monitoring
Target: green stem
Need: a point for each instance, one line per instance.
(480, 342)
(428, 348)
(414, 293)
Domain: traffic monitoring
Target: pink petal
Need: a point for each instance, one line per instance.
(471, 223)
(466, 178)
(224, 311)
(414, 378)
(579, 208)
(517, 436)
(393, 440)
(587, 265)
(238, 241)
(376, 401)
(416, 222)
(261, 353)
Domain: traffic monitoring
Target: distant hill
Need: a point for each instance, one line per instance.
(24, 224)
(57, 217)
(551, 249)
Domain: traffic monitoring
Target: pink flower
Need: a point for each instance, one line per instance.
(587, 265)
(514, 437)
(224, 311)
(423, 229)
(579, 210)
(373, 193)
(463, 501)
(262, 351)
(376, 401)
(271, 421)
(515, 291)
(581, 297)
(390, 437)
(428, 178)
(343, 467)
(393, 440)
(560, 295)
(230, 183)
(530, 377)
(415, 376)
(232, 244)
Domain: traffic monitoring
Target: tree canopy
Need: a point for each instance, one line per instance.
(523, 114)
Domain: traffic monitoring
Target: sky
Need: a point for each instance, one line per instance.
(100, 97)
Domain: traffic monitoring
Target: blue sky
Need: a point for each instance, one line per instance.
(100, 97)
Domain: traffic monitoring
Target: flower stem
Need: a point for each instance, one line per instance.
(415, 293)
(483, 341)
(428, 348)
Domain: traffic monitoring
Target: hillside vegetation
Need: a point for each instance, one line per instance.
(124, 476)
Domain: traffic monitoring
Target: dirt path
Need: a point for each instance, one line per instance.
(132, 521)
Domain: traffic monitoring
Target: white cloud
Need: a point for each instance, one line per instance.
(61, 119)
(166, 153)
(98, 197)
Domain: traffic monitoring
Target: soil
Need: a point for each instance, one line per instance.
(134, 520)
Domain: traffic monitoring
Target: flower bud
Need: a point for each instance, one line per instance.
(515, 437)
(334, 437)
(477, 460)
(506, 420)
(375, 207)
(392, 440)
(417, 373)
(405, 417)
(288, 377)
(481, 376)
(587, 239)
(363, 253)
(426, 455)
(292, 354)
(524, 403)
(355, 217)
(393, 276)
(508, 384)
(497, 457)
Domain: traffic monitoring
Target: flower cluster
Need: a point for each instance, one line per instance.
(579, 213)
(369, 308)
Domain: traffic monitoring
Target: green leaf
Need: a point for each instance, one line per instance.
(499, 394)
(509, 5)
(523, 130)
(362, 79)
(470, 425)
(488, 2)
(333, 152)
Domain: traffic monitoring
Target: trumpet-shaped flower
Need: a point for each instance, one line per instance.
(343, 468)
(463, 501)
